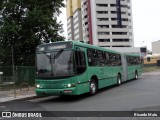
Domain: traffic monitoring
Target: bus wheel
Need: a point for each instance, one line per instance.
(119, 80)
(93, 87)
(136, 75)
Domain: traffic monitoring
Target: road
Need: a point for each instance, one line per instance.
(142, 94)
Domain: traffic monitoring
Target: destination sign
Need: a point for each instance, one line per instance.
(60, 45)
(54, 46)
(41, 48)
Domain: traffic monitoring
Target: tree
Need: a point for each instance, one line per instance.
(25, 24)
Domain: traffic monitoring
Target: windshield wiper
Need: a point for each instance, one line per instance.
(58, 54)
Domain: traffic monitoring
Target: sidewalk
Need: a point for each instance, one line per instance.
(20, 94)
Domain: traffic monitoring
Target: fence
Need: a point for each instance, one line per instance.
(23, 80)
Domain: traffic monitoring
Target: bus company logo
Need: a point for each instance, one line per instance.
(6, 114)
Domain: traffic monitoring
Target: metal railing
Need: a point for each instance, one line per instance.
(21, 84)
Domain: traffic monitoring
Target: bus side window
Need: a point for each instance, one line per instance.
(106, 59)
(136, 60)
(139, 60)
(118, 58)
(128, 61)
(100, 58)
(80, 62)
(113, 59)
(92, 57)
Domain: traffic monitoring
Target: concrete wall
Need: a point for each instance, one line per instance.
(156, 47)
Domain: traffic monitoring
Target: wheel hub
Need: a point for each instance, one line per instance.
(93, 87)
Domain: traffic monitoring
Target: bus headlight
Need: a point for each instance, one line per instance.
(69, 85)
(38, 86)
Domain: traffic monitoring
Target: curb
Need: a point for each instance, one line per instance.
(7, 99)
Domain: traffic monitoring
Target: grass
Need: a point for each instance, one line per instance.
(150, 69)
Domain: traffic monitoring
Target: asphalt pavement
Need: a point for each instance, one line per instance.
(136, 95)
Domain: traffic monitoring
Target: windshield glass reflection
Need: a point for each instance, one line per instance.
(55, 64)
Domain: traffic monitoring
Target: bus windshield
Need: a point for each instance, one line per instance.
(55, 64)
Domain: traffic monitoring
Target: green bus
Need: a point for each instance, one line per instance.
(74, 68)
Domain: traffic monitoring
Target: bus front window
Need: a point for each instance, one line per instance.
(55, 64)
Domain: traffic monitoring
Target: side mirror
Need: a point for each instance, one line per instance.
(1, 73)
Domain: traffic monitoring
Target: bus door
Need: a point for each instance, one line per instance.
(104, 70)
(81, 70)
(124, 65)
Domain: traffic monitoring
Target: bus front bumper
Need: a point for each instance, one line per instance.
(48, 92)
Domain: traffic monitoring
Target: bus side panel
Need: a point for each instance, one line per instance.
(82, 88)
(110, 76)
(103, 74)
(134, 65)
(131, 72)
(83, 83)
(139, 69)
(95, 71)
(107, 79)
(116, 70)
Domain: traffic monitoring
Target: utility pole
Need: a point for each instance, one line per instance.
(13, 71)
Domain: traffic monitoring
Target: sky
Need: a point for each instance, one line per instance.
(146, 22)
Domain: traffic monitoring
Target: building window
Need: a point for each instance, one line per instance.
(86, 23)
(116, 26)
(113, 5)
(103, 26)
(120, 40)
(114, 19)
(124, 6)
(119, 33)
(102, 19)
(104, 40)
(129, 14)
(113, 12)
(121, 46)
(124, 19)
(102, 5)
(123, 12)
(103, 33)
(102, 12)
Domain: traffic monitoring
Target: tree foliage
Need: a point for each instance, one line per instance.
(24, 24)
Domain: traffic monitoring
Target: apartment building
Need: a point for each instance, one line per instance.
(74, 20)
(156, 47)
(105, 23)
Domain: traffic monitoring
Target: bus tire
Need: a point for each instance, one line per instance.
(93, 87)
(136, 75)
(119, 81)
